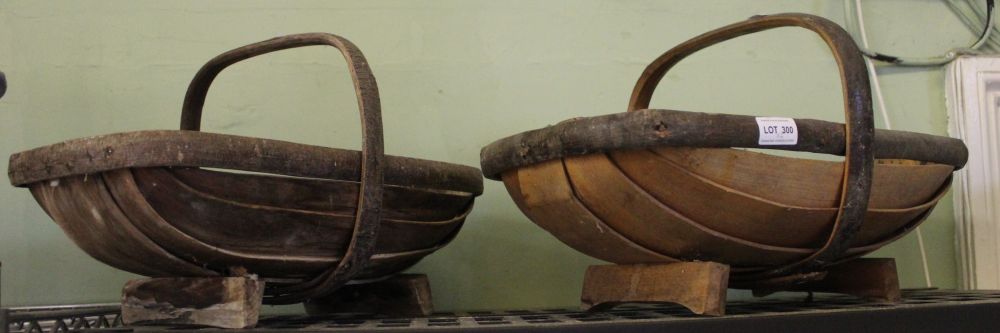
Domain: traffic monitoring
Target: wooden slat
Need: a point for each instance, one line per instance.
(612, 197)
(89, 215)
(815, 184)
(277, 230)
(320, 195)
(147, 220)
(542, 192)
(749, 217)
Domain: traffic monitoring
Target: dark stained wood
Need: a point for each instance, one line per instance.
(276, 229)
(85, 210)
(404, 295)
(306, 219)
(290, 264)
(698, 286)
(648, 128)
(369, 208)
(210, 150)
(226, 302)
(321, 195)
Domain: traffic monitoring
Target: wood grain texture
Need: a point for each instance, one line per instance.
(85, 210)
(698, 286)
(207, 251)
(226, 302)
(874, 279)
(815, 184)
(626, 225)
(627, 208)
(761, 220)
(543, 193)
(276, 229)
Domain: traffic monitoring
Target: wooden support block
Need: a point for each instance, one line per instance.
(698, 286)
(226, 302)
(399, 296)
(874, 279)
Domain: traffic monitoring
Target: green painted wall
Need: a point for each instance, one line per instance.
(454, 76)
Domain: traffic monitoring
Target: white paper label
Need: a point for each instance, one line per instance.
(775, 131)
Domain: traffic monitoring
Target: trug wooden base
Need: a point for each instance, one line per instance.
(698, 286)
(402, 295)
(701, 286)
(874, 279)
(226, 302)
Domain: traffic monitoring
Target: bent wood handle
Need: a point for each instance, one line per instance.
(369, 210)
(860, 127)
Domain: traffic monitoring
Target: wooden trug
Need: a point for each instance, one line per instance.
(306, 219)
(404, 295)
(226, 302)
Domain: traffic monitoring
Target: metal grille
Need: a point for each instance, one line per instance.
(66, 318)
(920, 309)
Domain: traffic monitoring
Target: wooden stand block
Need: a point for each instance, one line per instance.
(226, 302)
(698, 286)
(402, 295)
(874, 279)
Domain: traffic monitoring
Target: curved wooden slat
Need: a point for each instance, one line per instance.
(745, 216)
(816, 183)
(275, 230)
(320, 195)
(542, 192)
(544, 195)
(619, 203)
(87, 213)
(146, 219)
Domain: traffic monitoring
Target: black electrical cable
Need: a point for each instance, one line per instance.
(990, 4)
(3, 84)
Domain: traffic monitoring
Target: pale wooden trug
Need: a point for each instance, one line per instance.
(698, 286)
(628, 188)
(226, 302)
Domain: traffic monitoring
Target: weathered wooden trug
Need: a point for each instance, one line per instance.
(660, 186)
(307, 219)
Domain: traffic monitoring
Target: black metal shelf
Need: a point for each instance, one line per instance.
(921, 311)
